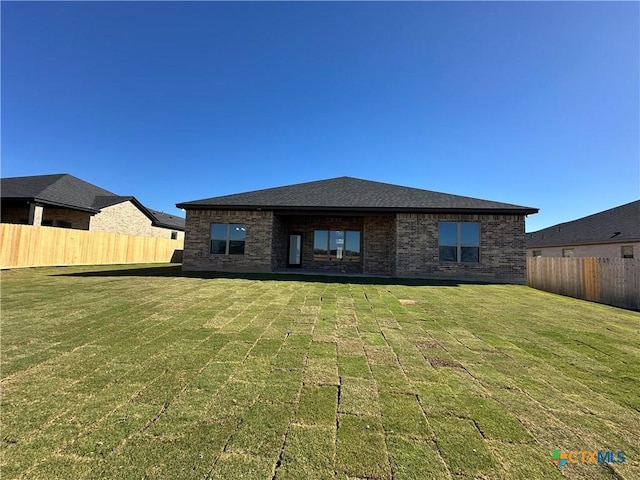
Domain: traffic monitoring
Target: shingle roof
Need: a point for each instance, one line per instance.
(615, 225)
(347, 193)
(61, 190)
(167, 220)
(64, 190)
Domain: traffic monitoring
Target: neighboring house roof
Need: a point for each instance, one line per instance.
(619, 224)
(353, 194)
(61, 190)
(167, 220)
(64, 190)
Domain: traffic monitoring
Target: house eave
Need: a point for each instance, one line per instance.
(50, 203)
(327, 210)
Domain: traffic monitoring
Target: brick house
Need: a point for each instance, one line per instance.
(357, 226)
(65, 201)
(613, 233)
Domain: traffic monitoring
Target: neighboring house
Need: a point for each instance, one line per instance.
(65, 201)
(614, 233)
(357, 226)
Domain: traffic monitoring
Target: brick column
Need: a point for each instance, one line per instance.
(35, 214)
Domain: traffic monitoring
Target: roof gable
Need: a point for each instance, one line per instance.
(347, 193)
(615, 225)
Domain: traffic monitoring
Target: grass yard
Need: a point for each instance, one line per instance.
(142, 372)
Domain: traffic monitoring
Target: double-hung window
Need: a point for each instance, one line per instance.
(459, 242)
(228, 238)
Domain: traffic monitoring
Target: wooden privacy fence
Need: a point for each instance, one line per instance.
(29, 246)
(614, 281)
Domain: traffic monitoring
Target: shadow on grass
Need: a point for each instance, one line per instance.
(285, 276)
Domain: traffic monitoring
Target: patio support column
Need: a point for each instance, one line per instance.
(35, 214)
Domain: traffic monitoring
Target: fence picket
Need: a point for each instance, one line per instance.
(30, 246)
(614, 281)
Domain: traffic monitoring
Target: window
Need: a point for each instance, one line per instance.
(174, 235)
(336, 245)
(627, 251)
(537, 253)
(46, 223)
(63, 223)
(459, 242)
(568, 252)
(227, 239)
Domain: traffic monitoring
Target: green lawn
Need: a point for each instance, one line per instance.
(142, 372)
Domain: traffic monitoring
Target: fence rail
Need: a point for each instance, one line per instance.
(614, 281)
(30, 246)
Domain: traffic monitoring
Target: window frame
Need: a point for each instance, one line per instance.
(328, 256)
(228, 238)
(626, 255)
(536, 253)
(568, 253)
(174, 235)
(459, 245)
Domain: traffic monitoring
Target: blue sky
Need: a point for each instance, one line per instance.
(530, 103)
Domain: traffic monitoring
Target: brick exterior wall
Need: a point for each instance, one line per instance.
(404, 245)
(279, 243)
(502, 248)
(608, 250)
(378, 245)
(257, 250)
(126, 218)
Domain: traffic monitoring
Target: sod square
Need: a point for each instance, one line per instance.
(463, 448)
(262, 430)
(493, 420)
(391, 379)
(361, 450)
(309, 453)
(318, 405)
(358, 396)
(353, 366)
(321, 370)
(379, 355)
(240, 466)
(415, 459)
(402, 415)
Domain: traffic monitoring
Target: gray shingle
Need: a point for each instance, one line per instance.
(614, 225)
(59, 189)
(347, 193)
(167, 220)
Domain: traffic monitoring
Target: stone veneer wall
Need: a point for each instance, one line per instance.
(127, 219)
(257, 251)
(502, 248)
